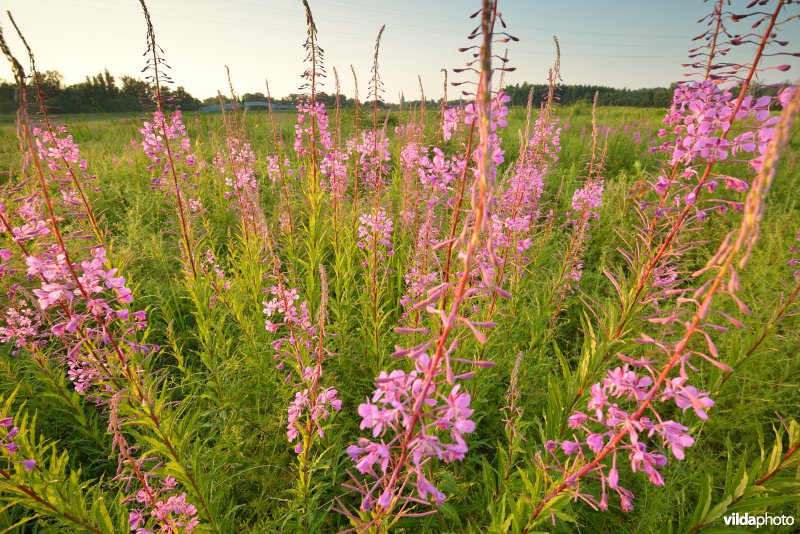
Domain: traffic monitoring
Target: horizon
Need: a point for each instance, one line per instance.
(661, 35)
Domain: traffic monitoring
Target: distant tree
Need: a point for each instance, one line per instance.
(180, 98)
(8, 97)
(253, 97)
(50, 82)
(133, 94)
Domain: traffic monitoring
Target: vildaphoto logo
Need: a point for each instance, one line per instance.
(758, 521)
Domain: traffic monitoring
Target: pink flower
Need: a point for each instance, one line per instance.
(375, 234)
(595, 442)
(642, 460)
(570, 447)
(375, 453)
(458, 411)
(686, 396)
(675, 436)
(577, 419)
(425, 488)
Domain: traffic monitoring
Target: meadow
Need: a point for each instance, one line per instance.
(459, 318)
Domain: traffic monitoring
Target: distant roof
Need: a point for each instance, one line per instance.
(246, 105)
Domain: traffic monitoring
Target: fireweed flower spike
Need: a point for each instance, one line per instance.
(301, 348)
(416, 418)
(375, 236)
(89, 305)
(516, 215)
(663, 237)
(86, 305)
(61, 154)
(701, 112)
(306, 136)
(372, 150)
(621, 416)
(303, 351)
(586, 202)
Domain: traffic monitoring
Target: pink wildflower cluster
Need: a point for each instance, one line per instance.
(702, 119)
(504, 231)
(409, 155)
(162, 135)
(68, 305)
(418, 281)
(454, 117)
(175, 514)
(422, 416)
(436, 171)
(309, 116)
(586, 202)
(373, 156)
(302, 348)
(334, 169)
(85, 309)
(238, 168)
(316, 409)
(84, 303)
(277, 169)
(498, 114)
(451, 121)
(283, 307)
(611, 423)
(399, 398)
(158, 508)
(29, 222)
(167, 145)
(544, 147)
(61, 155)
(517, 209)
(20, 325)
(168, 514)
(54, 149)
(241, 177)
(702, 111)
(375, 235)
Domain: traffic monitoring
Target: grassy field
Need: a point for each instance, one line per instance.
(223, 398)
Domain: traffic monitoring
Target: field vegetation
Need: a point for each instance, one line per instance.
(487, 317)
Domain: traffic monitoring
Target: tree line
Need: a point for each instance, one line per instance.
(103, 93)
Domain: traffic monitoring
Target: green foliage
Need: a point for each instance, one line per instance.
(222, 402)
(51, 493)
(766, 484)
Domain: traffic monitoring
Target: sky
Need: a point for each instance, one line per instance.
(618, 43)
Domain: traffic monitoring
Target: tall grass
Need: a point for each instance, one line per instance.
(453, 318)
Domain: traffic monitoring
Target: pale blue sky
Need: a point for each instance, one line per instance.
(621, 43)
